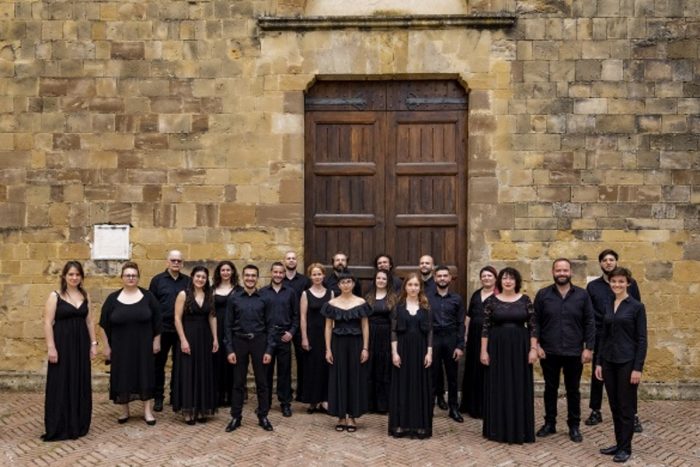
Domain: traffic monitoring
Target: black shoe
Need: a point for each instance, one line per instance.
(594, 418)
(546, 430)
(233, 424)
(265, 423)
(123, 420)
(286, 411)
(455, 415)
(638, 428)
(191, 421)
(622, 456)
(149, 422)
(609, 451)
(575, 434)
(158, 405)
(441, 402)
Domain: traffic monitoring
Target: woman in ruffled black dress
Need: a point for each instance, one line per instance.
(473, 381)
(194, 393)
(225, 283)
(508, 349)
(411, 404)
(70, 342)
(347, 351)
(382, 299)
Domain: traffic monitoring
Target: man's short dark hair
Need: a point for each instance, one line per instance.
(252, 267)
(276, 263)
(441, 267)
(384, 255)
(607, 252)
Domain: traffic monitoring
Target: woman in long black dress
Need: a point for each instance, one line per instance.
(508, 349)
(131, 326)
(194, 393)
(411, 405)
(382, 300)
(473, 381)
(225, 282)
(70, 342)
(312, 327)
(347, 351)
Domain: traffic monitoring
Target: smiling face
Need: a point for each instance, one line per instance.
(130, 277)
(383, 263)
(508, 283)
(381, 280)
(250, 278)
(200, 279)
(317, 276)
(290, 261)
(225, 272)
(73, 277)
(619, 285)
(561, 272)
(426, 264)
(277, 274)
(174, 262)
(488, 280)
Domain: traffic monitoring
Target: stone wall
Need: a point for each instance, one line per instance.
(185, 119)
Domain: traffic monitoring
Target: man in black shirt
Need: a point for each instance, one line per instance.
(426, 264)
(447, 309)
(248, 333)
(298, 282)
(340, 264)
(285, 322)
(566, 332)
(601, 294)
(384, 262)
(165, 286)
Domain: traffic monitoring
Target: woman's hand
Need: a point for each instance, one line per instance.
(107, 352)
(636, 377)
(156, 346)
(599, 373)
(93, 351)
(185, 347)
(532, 356)
(53, 355)
(428, 360)
(484, 358)
(305, 344)
(396, 360)
(329, 357)
(215, 346)
(364, 355)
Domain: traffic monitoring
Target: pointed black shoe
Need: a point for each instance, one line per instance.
(575, 434)
(233, 424)
(286, 411)
(456, 416)
(609, 451)
(546, 430)
(441, 402)
(622, 456)
(265, 424)
(638, 428)
(594, 418)
(158, 405)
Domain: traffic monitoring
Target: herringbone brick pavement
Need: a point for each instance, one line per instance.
(671, 438)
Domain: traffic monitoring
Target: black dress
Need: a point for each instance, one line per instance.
(194, 393)
(473, 381)
(509, 404)
(347, 377)
(379, 364)
(411, 404)
(130, 329)
(315, 367)
(68, 401)
(223, 370)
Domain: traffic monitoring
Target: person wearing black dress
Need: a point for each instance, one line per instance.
(224, 284)
(347, 351)
(312, 326)
(382, 300)
(473, 380)
(509, 349)
(131, 325)
(70, 342)
(384, 262)
(411, 402)
(620, 360)
(194, 394)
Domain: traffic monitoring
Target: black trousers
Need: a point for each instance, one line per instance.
(572, 367)
(596, 401)
(168, 341)
(250, 349)
(443, 348)
(282, 359)
(622, 396)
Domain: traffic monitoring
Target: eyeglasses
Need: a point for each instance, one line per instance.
(175, 260)
(130, 276)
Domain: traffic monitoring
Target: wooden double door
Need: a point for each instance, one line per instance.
(385, 172)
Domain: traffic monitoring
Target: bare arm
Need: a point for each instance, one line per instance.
(179, 311)
(328, 334)
(49, 316)
(91, 331)
(303, 310)
(364, 355)
(214, 333)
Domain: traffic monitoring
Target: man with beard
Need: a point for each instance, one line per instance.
(601, 294)
(384, 262)
(298, 282)
(340, 264)
(447, 309)
(426, 264)
(566, 332)
(285, 324)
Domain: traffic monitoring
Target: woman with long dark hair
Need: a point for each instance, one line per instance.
(224, 284)
(131, 325)
(70, 342)
(382, 300)
(194, 394)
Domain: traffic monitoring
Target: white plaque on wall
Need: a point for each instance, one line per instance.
(111, 242)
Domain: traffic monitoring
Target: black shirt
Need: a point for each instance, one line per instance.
(564, 324)
(624, 336)
(298, 283)
(165, 289)
(285, 309)
(248, 314)
(448, 314)
(331, 282)
(601, 294)
(429, 285)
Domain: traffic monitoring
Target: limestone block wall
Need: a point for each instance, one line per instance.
(186, 120)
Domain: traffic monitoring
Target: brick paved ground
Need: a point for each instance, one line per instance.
(671, 437)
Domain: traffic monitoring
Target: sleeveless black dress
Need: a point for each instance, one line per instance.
(194, 393)
(473, 381)
(68, 400)
(315, 367)
(223, 370)
(379, 364)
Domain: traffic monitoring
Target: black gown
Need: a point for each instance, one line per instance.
(315, 367)
(411, 403)
(473, 380)
(509, 402)
(223, 370)
(130, 329)
(379, 364)
(194, 393)
(68, 400)
(347, 377)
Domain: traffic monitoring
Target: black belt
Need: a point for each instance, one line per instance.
(247, 336)
(509, 325)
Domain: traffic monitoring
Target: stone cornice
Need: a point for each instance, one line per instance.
(315, 23)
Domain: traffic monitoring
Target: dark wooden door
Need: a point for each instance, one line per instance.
(385, 171)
